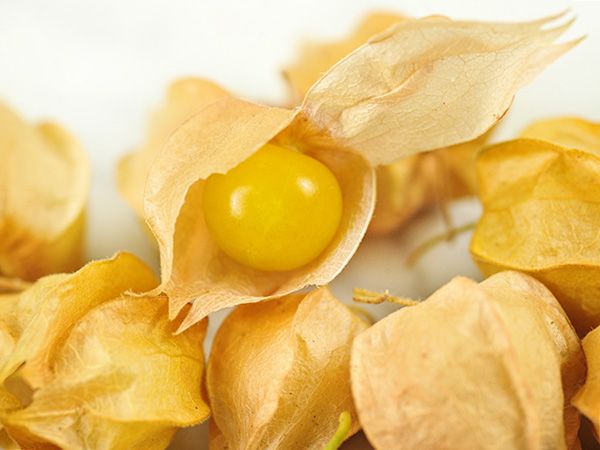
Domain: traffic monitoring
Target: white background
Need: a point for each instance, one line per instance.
(98, 67)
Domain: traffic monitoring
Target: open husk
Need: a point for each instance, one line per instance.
(86, 364)
(540, 216)
(475, 366)
(184, 98)
(278, 374)
(44, 185)
(421, 85)
(587, 400)
(407, 186)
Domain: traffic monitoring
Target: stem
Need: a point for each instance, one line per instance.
(341, 433)
(434, 241)
(374, 298)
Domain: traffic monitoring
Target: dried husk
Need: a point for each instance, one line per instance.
(316, 58)
(93, 366)
(409, 95)
(587, 400)
(540, 216)
(475, 366)
(184, 98)
(44, 186)
(278, 374)
(570, 132)
(407, 186)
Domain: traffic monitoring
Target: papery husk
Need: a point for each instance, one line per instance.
(184, 98)
(475, 366)
(390, 112)
(193, 268)
(44, 186)
(540, 216)
(278, 374)
(416, 183)
(407, 186)
(94, 366)
(587, 400)
(316, 58)
(570, 132)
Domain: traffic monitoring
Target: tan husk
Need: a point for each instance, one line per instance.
(44, 184)
(278, 374)
(587, 400)
(389, 110)
(184, 98)
(92, 366)
(316, 58)
(570, 132)
(475, 366)
(540, 216)
(407, 186)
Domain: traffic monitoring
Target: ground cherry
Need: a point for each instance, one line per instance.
(276, 211)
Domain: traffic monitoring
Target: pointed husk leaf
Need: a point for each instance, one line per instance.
(464, 369)
(409, 185)
(184, 98)
(44, 185)
(93, 366)
(540, 210)
(278, 374)
(429, 83)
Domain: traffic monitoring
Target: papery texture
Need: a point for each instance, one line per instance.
(278, 374)
(407, 186)
(540, 216)
(408, 95)
(192, 266)
(184, 98)
(570, 132)
(475, 366)
(429, 83)
(93, 366)
(415, 183)
(44, 184)
(587, 400)
(316, 58)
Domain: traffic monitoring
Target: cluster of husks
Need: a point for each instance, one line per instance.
(111, 357)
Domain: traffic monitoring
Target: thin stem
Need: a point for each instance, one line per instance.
(427, 245)
(374, 298)
(345, 421)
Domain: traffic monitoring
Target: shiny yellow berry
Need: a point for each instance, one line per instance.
(276, 211)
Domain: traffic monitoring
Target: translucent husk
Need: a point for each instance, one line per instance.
(407, 186)
(587, 400)
(184, 98)
(391, 112)
(87, 364)
(475, 366)
(44, 185)
(278, 374)
(540, 216)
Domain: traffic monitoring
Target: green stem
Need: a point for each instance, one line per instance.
(341, 433)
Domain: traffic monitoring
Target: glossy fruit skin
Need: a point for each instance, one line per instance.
(276, 211)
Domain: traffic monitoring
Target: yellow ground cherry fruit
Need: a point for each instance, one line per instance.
(276, 211)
